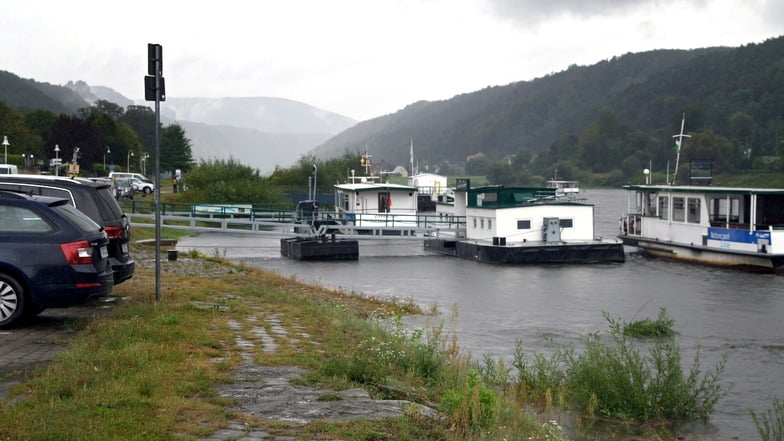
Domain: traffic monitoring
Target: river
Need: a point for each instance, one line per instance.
(714, 310)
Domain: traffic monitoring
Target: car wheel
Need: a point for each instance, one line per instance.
(147, 190)
(12, 300)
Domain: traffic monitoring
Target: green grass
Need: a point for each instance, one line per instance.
(149, 370)
(770, 425)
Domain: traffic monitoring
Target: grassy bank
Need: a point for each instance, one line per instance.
(149, 370)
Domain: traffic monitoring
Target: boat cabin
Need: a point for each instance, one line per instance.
(526, 214)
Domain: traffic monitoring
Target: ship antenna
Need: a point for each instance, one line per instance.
(678, 143)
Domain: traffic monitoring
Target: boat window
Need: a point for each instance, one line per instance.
(693, 213)
(482, 223)
(650, 204)
(567, 223)
(718, 209)
(524, 224)
(678, 212)
(489, 224)
(663, 207)
(474, 222)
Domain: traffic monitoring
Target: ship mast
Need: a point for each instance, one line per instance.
(678, 143)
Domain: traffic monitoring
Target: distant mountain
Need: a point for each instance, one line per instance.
(646, 91)
(260, 150)
(28, 94)
(265, 114)
(261, 132)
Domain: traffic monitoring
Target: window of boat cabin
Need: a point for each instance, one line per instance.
(678, 212)
(489, 224)
(664, 203)
(524, 224)
(482, 223)
(474, 222)
(693, 210)
(566, 223)
(718, 209)
(649, 204)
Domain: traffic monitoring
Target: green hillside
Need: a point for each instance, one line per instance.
(614, 117)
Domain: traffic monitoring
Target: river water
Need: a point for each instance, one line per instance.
(718, 311)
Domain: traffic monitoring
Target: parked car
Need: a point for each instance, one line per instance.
(94, 199)
(51, 255)
(145, 185)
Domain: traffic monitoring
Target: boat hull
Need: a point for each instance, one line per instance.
(530, 253)
(761, 262)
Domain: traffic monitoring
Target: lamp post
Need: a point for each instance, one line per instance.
(5, 144)
(104, 158)
(143, 163)
(56, 160)
(128, 162)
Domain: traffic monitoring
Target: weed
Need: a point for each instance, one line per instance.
(770, 426)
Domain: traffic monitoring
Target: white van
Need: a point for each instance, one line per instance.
(8, 169)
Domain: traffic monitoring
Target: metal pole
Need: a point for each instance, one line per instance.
(158, 69)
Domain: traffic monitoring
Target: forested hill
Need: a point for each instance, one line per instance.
(28, 94)
(643, 92)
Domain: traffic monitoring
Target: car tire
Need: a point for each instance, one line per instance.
(147, 190)
(12, 301)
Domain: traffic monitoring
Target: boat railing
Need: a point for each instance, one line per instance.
(631, 225)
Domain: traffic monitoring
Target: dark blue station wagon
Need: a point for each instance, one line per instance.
(51, 255)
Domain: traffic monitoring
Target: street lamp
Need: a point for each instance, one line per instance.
(24, 159)
(128, 162)
(5, 144)
(56, 160)
(104, 158)
(143, 163)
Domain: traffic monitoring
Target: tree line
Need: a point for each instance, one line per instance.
(107, 136)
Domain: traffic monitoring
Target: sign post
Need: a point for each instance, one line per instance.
(155, 90)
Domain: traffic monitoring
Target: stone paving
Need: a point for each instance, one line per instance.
(267, 392)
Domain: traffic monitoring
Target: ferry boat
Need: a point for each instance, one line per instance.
(722, 226)
(525, 225)
(365, 201)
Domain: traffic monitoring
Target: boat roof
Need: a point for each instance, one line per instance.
(369, 186)
(704, 189)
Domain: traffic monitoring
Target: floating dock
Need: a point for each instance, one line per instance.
(322, 248)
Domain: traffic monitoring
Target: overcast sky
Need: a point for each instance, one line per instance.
(359, 58)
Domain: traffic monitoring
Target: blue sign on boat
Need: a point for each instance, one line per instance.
(742, 236)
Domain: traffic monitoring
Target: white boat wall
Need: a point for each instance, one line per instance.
(723, 226)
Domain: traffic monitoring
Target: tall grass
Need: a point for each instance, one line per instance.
(619, 377)
(770, 426)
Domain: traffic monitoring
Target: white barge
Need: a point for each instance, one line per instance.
(721, 226)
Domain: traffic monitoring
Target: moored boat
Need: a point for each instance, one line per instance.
(722, 226)
(525, 225)
(366, 202)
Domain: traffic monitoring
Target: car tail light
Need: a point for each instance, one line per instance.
(113, 232)
(77, 252)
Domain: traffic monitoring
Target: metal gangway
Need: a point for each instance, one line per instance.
(246, 219)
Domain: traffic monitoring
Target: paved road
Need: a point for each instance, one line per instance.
(28, 346)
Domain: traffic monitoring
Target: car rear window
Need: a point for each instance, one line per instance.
(76, 217)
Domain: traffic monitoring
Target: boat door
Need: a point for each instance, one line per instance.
(384, 202)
